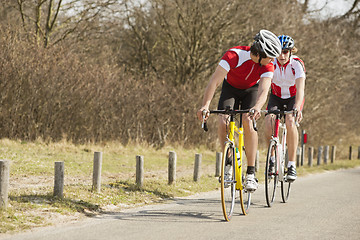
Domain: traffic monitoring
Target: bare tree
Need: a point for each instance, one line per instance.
(52, 21)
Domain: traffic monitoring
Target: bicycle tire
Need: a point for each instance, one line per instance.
(271, 178)
(285, 185)
(228, 186)
(245, 198)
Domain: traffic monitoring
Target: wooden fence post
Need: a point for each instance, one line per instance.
(302, 148)
(326, 154)
(319, 155)
(359, 152)
(350, 152)
(172, 167)
(333, 153)
(139, 171)
(197, 167)
(218, 163)
(59, 180)
(97, 171)
(311, 156)
(4, 183)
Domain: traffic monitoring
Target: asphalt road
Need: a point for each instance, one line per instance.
(321, 206)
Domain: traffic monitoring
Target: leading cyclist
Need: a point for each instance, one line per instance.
(287, 93)
(245, 73)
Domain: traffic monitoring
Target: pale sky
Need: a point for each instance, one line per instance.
(333, 8)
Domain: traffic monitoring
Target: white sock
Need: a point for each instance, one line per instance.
(292, 163)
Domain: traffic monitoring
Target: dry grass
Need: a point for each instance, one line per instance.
(31, 201)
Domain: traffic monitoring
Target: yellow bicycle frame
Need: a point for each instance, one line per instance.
(238, 163)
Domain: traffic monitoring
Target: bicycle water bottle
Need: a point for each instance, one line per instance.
(238, 156)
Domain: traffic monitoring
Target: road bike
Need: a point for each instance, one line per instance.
(277, 148)
(232, 177)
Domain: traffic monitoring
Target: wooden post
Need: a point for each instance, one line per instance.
(97, 171)
(333, 152)
(4, 183)
(359, 152)
(218, 163)
(350, 152)
(326, 154)
(140, 171)
(172, 167)
(311, 156)
(298, 156)
(302, 148)
(197, 167)
(319, 155)
(59, 180)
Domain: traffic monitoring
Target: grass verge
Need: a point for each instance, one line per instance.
(31, 200)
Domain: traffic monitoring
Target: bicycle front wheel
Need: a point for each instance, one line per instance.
(271, 177)
(245, 198)
(285, 185)
(228, 182)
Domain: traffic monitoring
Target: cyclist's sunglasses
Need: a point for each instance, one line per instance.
(285, 51)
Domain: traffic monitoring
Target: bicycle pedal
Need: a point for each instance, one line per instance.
(249, 191)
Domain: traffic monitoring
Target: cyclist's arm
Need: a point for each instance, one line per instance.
(300, 92)
(299, 98)
(263, 90)
(216, 79)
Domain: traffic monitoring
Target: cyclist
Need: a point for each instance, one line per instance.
(245, 73)
(287, 93)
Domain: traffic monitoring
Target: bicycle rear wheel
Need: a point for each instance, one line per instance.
(228, 182)
(271, 178)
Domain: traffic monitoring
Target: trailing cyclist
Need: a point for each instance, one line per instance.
(245, 73)
(287, 93)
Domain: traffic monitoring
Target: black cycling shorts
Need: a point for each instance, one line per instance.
(278, 103)
(237, 99)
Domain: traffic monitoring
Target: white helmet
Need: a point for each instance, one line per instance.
(267, 42)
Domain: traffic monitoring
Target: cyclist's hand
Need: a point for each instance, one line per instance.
(203, 114)
(255, 113)
(298, 117)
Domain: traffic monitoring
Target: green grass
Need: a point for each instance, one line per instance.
(31, 200)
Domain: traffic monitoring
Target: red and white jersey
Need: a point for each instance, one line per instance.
(243, 72)
(283, 83)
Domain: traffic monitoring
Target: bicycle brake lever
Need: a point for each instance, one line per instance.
(295, 115)
(204, 126)
(252, 111)
(254, 125)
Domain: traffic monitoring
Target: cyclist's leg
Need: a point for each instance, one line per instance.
(269, 126)
(292, 138)
(222, 120)
(228, 97)
(248, 100)
(250, 140)
(273, 104)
